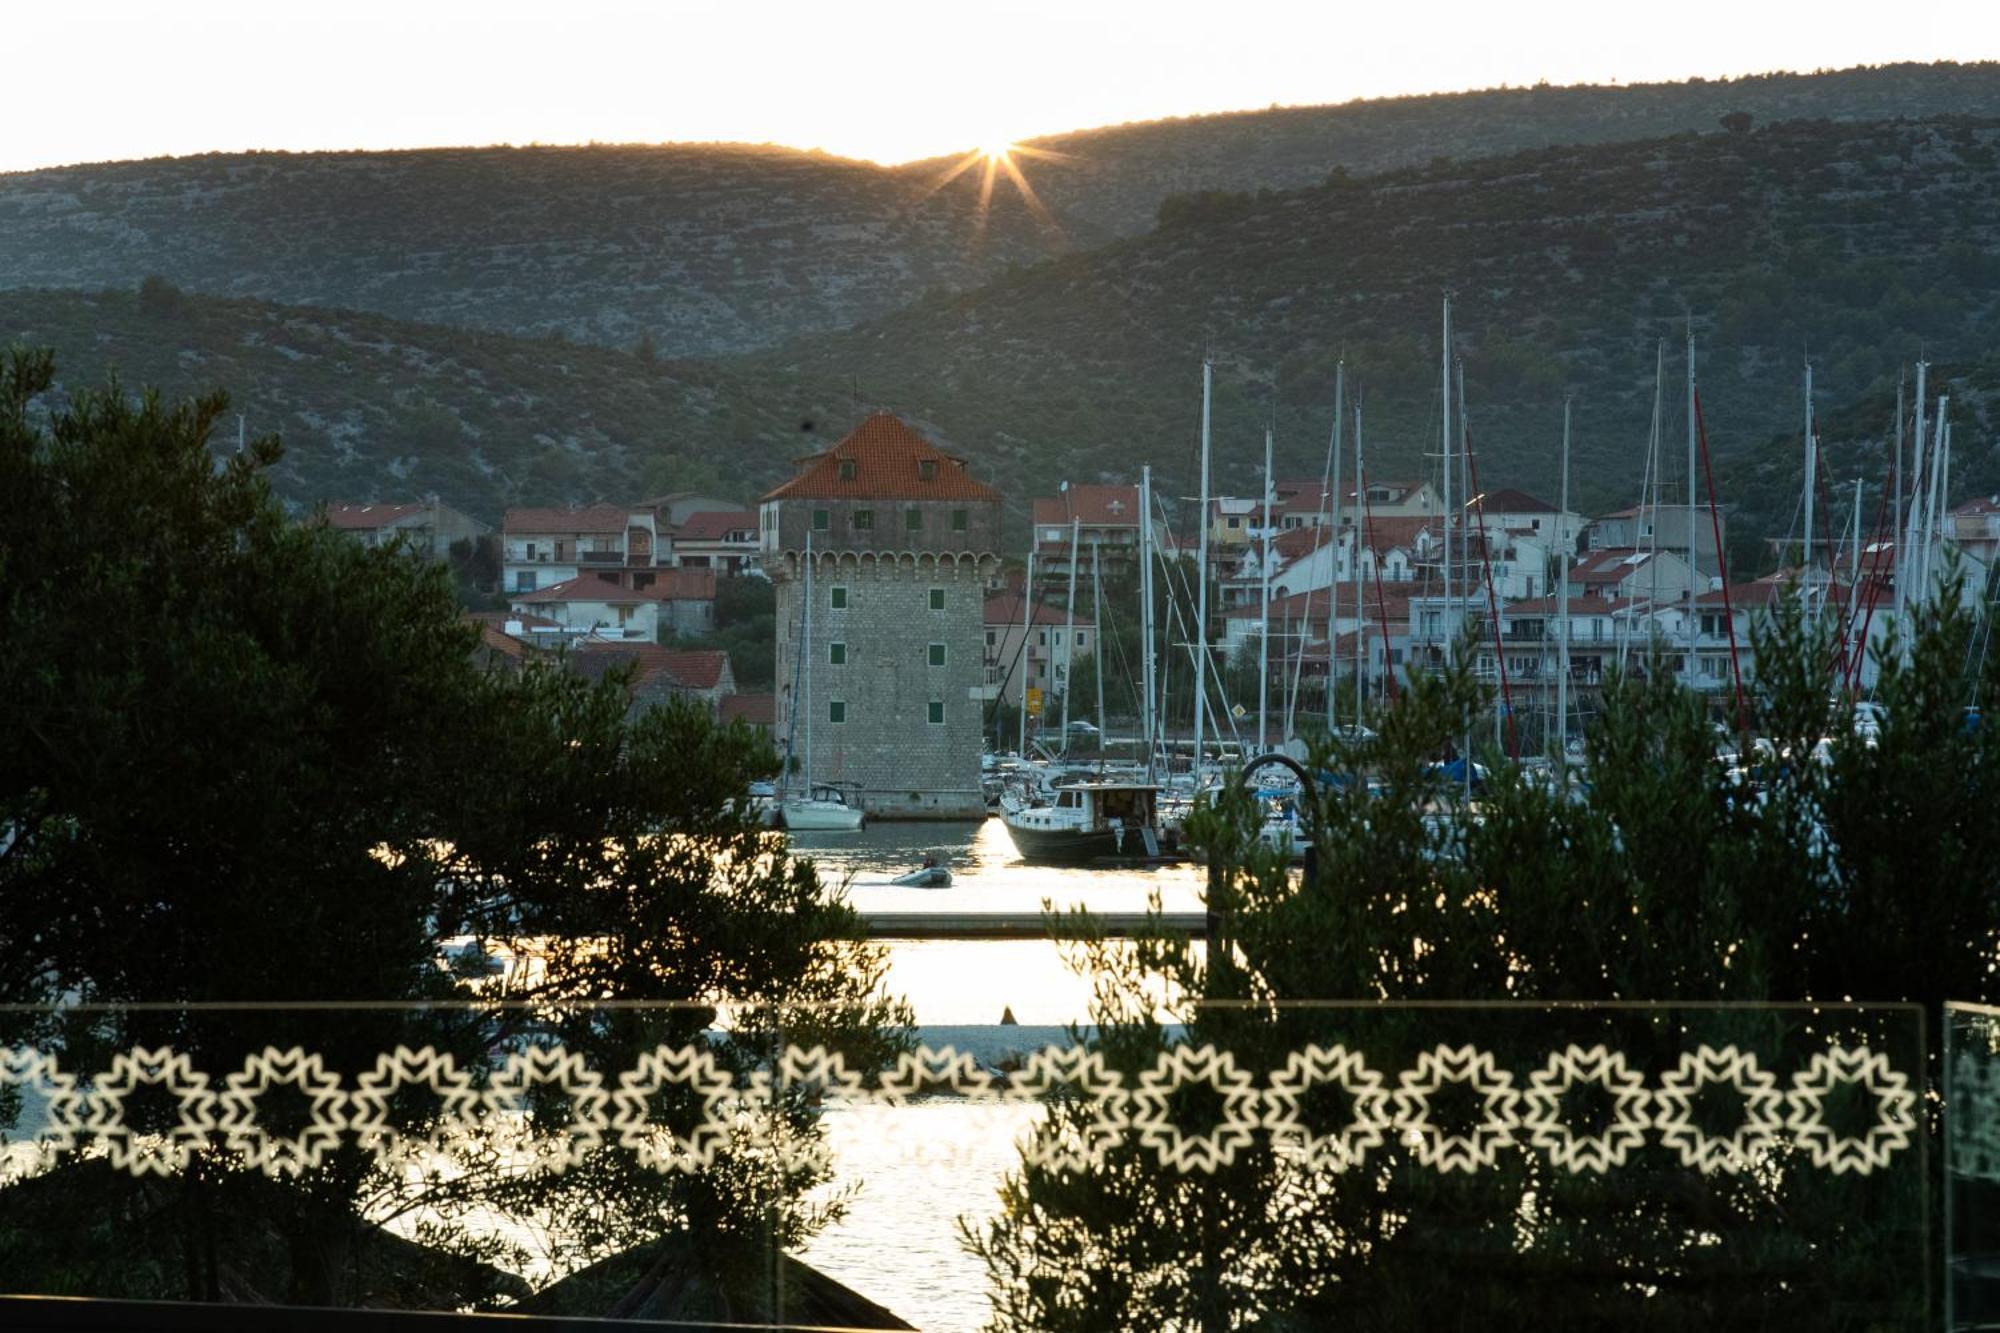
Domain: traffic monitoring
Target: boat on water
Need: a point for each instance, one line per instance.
(1088, 822)
(823, 809)
(932, 874)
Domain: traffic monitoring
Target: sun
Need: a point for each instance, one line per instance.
(996, 157)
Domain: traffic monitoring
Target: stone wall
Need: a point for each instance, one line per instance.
(887, 752)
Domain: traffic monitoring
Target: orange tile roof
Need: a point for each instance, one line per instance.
(592, 518)
(1093, 506)
(1004, 609)
(690, 669)
(758, 710)
(709, 526)
(886, 454)
(670, 585)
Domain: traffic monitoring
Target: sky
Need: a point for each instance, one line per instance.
(886, 80)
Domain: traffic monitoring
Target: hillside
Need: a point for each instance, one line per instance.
(1115, 178)
(1860, 242)
(1764, 486)
(706, 249)
(376, 409)
(712, 250)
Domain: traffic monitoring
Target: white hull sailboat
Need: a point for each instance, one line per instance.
(823, 808)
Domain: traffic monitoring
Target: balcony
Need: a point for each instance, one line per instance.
(598, 559)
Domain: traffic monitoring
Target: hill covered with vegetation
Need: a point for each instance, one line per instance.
(1112, 180)
(716, 249)
(1858, 243)
(702, 250)
(376, 409)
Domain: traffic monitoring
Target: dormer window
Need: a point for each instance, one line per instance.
(847, 469)
(926, 469)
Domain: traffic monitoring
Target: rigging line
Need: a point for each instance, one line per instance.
(1375, 559)
(1722, 567)
(1819, 477)
(1492, 601)
(1873, 584)
(1197, 652)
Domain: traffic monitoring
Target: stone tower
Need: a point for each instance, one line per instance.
(904, 543)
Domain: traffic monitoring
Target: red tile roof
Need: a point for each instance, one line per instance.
(670, 585)
(1977, 505)
(887, 455)
(688, 669)
(1093, 506)
(1296, 542)
(758, 710)
(1004, 609)
(1386, 533)
(366, 518)
(600, 518)
(713, 527)
(1508, 501)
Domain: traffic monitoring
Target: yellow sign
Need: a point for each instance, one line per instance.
(1034, 702)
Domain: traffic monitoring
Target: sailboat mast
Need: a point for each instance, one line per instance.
(1069, 619)
(1333, 540)
(1027, 640)
(1562, 609)
(1694, 569)
(1896, 512)
(1360, 602)
(1264, 637)
(1444, 381)
(1201, 574)
(1097, 627)
(806, 651)
(1916, 497)
(1146, 609)
(1812, 479)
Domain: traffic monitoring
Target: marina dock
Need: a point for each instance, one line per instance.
(893, 925)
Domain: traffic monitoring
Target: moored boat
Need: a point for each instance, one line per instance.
(1088, 822)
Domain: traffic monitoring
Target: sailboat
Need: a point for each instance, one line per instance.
(824, 807)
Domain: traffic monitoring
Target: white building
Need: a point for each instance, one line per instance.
(544, 547)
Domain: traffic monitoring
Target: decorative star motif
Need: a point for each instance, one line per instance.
(507, 1100)
(1341, 1148)
(1181, 1067)
(1057, 1146)
(658, 1147)
(62, 1113)
(152, 1154)
(1894, 1106)
(282, 1155)
(368, 1105)
(1763, 1107)
(1541, 1109)
(1478, 1147)
(945, 1070)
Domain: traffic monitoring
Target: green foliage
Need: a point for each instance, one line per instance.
(253, 762)
(746, 627)
(1842, 866)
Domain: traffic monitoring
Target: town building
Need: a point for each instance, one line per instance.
(427, 527)
(758, 711)
(1106, 523)
(658, 674)
(543, 547)
(1056, 643)
(724, 540)
(678, 601)
(1662, 527)
(899, 542)
(677, 507)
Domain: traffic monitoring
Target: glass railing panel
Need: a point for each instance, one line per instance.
(1971, 1061)
(1202, 1166)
